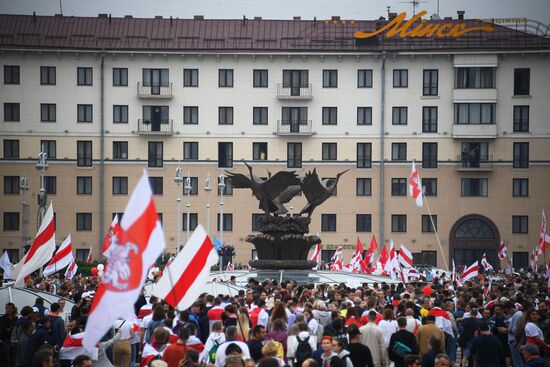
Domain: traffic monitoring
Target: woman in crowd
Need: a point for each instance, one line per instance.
(343, 354)
(388, 325)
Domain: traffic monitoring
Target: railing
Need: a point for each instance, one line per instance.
(286, 91)
(154, 91)
(466, 162)
(297, 127)
(163, 127)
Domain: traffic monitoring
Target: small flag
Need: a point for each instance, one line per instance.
(502, 251)
(485, 263)
(62, 258)
(90, 259)
(405, 257)
(6, 265)
(71, 270)
(544, 239)
(470, 272)
(415, 187)
(316, 255)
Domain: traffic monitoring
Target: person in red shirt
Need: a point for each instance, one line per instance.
(174, 353)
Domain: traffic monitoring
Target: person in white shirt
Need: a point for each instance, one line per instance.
(230, 339)
(388, 325)
(312, 324)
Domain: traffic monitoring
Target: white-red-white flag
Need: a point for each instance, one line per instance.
(405, 257)
(71, 270)
(470, 272)
(316, 256)
(338, 254)
(544, 239)
(337, 265)
(184, 280)
(393, 263)
(533, 260)
(442, 319)
(485, 263)
(453, 278)
(72, 348)
(415, 186)
(488, 288)
(138, 244)
(502, 251)
(41, 250)
(62, 258)
(230, 266)
(107, 241)
(90, 259)
(373, 246)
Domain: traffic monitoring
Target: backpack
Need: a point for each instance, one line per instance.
(212, 352)
(401, 349)
(320, 331)
(303, 351)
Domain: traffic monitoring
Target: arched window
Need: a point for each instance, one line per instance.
(474, 228)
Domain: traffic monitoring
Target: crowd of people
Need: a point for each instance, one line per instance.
(274, 324)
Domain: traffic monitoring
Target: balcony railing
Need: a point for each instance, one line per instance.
(293, 128)
(465, 162)
(474, 131)
(285, 91)
(148, 127)
(154, 91)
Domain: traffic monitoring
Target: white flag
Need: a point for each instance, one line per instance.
(6, 265)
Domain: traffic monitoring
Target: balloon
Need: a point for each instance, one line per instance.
(93, 270)
(100, 267)
(159, 274)
(100, 272)
(427, 290)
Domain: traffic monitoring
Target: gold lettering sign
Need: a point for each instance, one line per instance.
(423, 29)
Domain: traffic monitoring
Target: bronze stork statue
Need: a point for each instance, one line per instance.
(315, 191)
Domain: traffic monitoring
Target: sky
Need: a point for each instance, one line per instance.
(281, 9)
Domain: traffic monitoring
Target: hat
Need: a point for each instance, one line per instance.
(503, 299)
(88, 294)
(530, 348)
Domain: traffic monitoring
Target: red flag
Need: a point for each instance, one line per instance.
(359, 247)
(384, 256)
(502, 251)
(316, 256)
(62, 258)
(415, 187)
(373, 246)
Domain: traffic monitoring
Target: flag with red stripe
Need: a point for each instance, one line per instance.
(470, 272)
(316, 255)
(62, 258)
(405, 257)
(502, 251)
(71, 270)
(90, 259)
(373, 246)
(485, 263)
(415, 187)
(113, 229)
(184, 280)
(544, 239)
(442, 320)
(72, 348)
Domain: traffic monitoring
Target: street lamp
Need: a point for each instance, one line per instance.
(178, 180)
(188, 189)
(42, 166)
(221, 189)
(208, 189)
(24, 187)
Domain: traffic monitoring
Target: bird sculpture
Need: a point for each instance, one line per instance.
(316, 192)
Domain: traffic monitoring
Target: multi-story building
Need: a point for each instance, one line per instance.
(107, 97)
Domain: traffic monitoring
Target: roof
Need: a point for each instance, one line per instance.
(234, 35)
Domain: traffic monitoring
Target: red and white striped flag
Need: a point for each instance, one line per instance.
(485, 263)
(373, 246)
(138, 244)
(337, 265)
(488, 288)
(90, 259)
(41, 250)
(510, 265)
(71, 270)
(316, 255)
(470, 272)
(62, 258)
(392, 263)
(415, 186)
(405, 257)
(113, 229)
(544, 239)
(442, 319)
(230, 266)
(338, 254)
(72, 348)
(533, 262)
(502, 251)
(184, 280)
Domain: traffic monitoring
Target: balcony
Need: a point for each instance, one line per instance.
(467, 163)
(154, 91)
(294, 128)
(485, 95)
(302, 92)
(474, 131)
(147, 127)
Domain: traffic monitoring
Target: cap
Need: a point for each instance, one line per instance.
(530, 348)
(503, 299)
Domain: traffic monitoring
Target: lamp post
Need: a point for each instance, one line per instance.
(221, 189)
(42, 166)
(24, 187)
(208, 189)
(178, 180)
(188, 189)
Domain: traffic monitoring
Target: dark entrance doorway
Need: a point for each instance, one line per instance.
(471, 237)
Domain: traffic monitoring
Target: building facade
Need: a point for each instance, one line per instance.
(107, 97)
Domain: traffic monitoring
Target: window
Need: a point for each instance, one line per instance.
(11, 149)
(521, 82)
(84, 112)
(520, 224)
(84, 153)
(400, 78)
(47, 112)
(474, 187)
(159, 216)
(190, 77)
(399, 151)
(363, 186)
(399, 223)
(225, 115)
(120, 77)
(190, 150)
(155, 154)
(120, 114)
(429, 155)
(364, 78)
(11, 112)
(225, 155)
(475, 77)
(475, 113)
(49, 147)
(193, 221)
(120, 185)
(364, 115)
(257, 222)
(330, 78)
(225, 78)
(294, 155)
(83, 221)
(429, 87)
(11, 74)
(191, 115)
(11, 185)
(429, 119)
(364, 156)
(295, 79)
(521, 119)
(11, 222)
(328, 222)
(259, 115)
(47, 75)
(156, 115)
(155, 79)
(521, 155)
(13, 254)
(227, 222)
(194, 186)
(427, 226)
(329, 151)
(259, 151)
(156, 185)
(330, 115)
(294, 116)
(227, 190)
(399, 187)
(520, 187)
(260, 78)
(520, 260)
(430, 186)
(82, 254)
(84, 76)
(399, 115)
(50, 185)
(84, 185)
(363, 223)
(120, 150)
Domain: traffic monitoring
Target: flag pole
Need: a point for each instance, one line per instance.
(435, 228)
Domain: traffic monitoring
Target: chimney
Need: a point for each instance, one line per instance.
(34, 17)
(257, 18)
(198, 17)
(297, 18)
(335, 17)
(158, 16)
(170, 20)
(128, 17)
(392, 16)
(109, 18)
(101, 15)
(460, 14)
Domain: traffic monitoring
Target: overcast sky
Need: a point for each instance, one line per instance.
(280, 9)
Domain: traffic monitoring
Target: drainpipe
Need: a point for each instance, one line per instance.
(102, 153)
(382, 137)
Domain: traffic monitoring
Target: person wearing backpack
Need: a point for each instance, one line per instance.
(215, 339)
(402, 342)
(300, 347)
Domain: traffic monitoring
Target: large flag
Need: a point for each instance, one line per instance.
(502, 251)
(470, 272)
(71, 270)
(442, 319)
(138, 244)
(5, 264)
(405, 257)
(373, 246)
(485, 263)
(316, 256)
(41, 250)
(415, 186)
(113, 229)
(62, 258)
(184, 280)
(544, 239)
